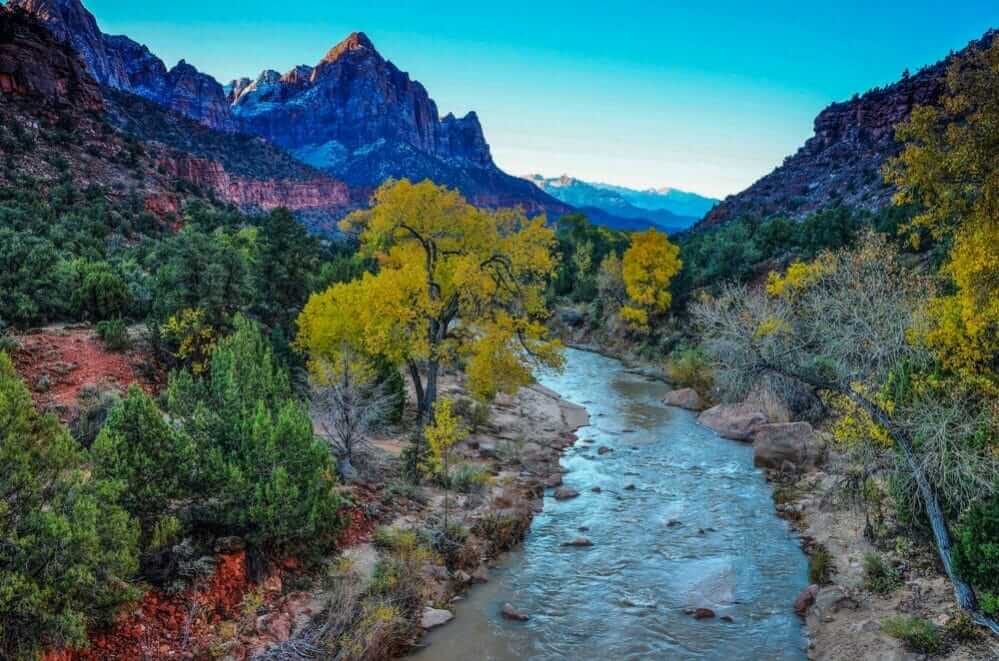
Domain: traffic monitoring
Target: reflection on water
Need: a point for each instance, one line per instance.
(697, 529)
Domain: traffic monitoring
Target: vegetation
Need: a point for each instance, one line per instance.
(454, 283)
(918, 635)
(649, 264)
(68, 546)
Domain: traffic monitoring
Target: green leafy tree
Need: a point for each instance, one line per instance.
(288, 257)
(67, 547)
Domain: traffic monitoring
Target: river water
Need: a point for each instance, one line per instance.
(698, 529)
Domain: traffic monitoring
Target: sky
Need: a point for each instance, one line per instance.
(701, 96)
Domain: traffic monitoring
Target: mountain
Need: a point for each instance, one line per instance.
(624, 208)
(840, 165)
(131, 147)
(354, 115)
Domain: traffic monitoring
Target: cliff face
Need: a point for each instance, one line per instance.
(122, 64)
(840, 165)
(32, 66)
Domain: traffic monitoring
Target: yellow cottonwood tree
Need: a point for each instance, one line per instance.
(454, 282)
(649, 265)
(950, 165)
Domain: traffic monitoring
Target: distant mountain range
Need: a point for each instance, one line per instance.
(625, 208)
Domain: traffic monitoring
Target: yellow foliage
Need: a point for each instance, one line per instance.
(649, 265)
(442, 434)
(854, 425)
(453, 280)
(800, 276)
(192, 338)
(770, 326)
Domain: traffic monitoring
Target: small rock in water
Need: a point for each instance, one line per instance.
(703, 613)
(565, 493)
(596, 490)
(511, 613)
(434, 617)
(583, 528)
(629, 487)
(805, 600)
(673, 523)
(579, 541)
(603, 449)
(726, 618)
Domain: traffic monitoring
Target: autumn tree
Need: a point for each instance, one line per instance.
(454, 283)
(648, 267)
(841, 326)
(442, 435)
(950, 168)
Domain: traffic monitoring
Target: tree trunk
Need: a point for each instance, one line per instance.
(421, 397)
(430, 396)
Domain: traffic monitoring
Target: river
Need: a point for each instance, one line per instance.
(698, 529)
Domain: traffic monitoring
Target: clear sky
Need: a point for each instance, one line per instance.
(703, 96)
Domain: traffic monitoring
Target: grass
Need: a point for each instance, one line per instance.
(879, 576)
(917, 634)
(820, 565)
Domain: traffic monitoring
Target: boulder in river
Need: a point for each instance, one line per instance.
(603, 449)
(805, 599)
(565, 493)
(434, 617)
(703, 613)
(511, 613)
(735, 421)
(579, 541)
(775, 445)
(684, 398)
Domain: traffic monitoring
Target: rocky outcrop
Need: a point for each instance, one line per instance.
(840, 165)
(121, 63)
(734, 421)
(31, 65)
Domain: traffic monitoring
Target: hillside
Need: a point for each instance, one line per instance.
(840, 165)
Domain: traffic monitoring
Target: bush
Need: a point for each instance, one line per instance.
(976, 551)
(114, 334)
(152, 459)
(879, 576)
(690, 369)
(502, 531)
(820, 565)
(95, 404)
(269, 478)
(475, 414)
(468, 478)
(917, 634)
(68, 547)
(101, 293)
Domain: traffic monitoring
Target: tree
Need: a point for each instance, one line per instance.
(648, 267)
(67, 547)
(141, 450)
(841, 325)
(950, 168)
(442, 435)
(263, 472)
(288, 258)
(348, 403)
(454, 282)
(610, 281)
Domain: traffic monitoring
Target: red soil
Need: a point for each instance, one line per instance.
(69, 359)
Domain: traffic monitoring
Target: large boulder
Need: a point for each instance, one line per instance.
(735, 421)
(684, 398)
(779, 444)
(435, 617)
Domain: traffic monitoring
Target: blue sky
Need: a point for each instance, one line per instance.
(703, 96)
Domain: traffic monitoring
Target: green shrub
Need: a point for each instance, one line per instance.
(95, 403)
(114, 334)
(879, 576)
(475, 414)
(269, 478)
(468, 478)
(917, 634)
(68, 548)
(101, 293)
(502, 531)
(976, 551)
(690, 369)
(820, 565)
(154, 461)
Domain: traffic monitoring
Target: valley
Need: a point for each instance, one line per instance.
(291, 368)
